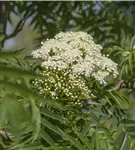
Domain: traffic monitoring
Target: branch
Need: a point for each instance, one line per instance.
(4, 135)
(17, 29)
(19, 26)
(123, 85)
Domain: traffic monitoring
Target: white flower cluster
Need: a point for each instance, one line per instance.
(62, 85)
(77, 51)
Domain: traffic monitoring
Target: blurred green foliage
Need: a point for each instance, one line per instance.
(106, 21)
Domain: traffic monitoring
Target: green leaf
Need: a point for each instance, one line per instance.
(57, 148)
(36, 118)
(21, 144)
(130, 62)
(132, 145)
(93, 139)
(47, 138)
(110, 94)
(50, 126)
(121, 97)
(16, 122)
(18, 73)
(128, 123)
(83, 139)
(25, 91)
(97, 141)
(86, 129)
(32, 146)
(122, 71)
(132, 43)
(52, 115)
(106, 145)
(10, 53)
(123, 145)
(76, 143)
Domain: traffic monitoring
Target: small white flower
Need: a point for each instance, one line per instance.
(78, 51)
(75, 55)
(53, 93)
